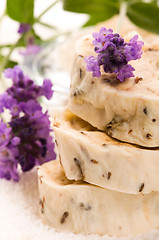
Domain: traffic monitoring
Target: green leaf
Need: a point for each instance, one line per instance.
(21, 10)
(95, 18)
(91, 7)
(99, 10)
(145, 15)
(10, 63)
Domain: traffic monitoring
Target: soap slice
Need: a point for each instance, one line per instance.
(127, 111)
(90, 155)
(84, 208)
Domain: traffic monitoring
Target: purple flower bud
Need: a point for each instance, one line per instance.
(92, 66)
(111, 47)
(8, 163)
(125, 72)
(5, 134)
(46, 89)
(133, 50)
(23, 89)
(15, 74)
(113, 54)
(30, 107)
(15, 141)
(31, 49)
(23, 28)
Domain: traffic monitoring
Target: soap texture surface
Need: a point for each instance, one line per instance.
(127, 111)
(91, 155)
(83, 208)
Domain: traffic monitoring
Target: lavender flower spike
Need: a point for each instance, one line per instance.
(25, 140)
(113, 54)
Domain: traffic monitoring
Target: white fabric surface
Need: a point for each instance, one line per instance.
(20, 218)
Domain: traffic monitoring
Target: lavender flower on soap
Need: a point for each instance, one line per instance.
(113, 54)
(25, 140)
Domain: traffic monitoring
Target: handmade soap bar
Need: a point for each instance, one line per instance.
(128, 111)
(84, 208)
(90, 155)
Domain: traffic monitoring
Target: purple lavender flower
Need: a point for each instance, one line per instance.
(30, 107)
(8, 162)
(24, 89)
(133, 50)
(36, 146)
(102, 39)
(8, 102)
(23, 28)
(113, 54)
(26, 139)
(15, 74)
(92, 66)
(4, 134)
(15, 141)
(31, 49)
(125, 72)
(8, 170)
(46, 89)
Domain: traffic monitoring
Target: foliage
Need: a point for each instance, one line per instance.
(23, 12)
(143, 14)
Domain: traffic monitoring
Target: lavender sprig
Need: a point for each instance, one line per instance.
(113, 54)
(25, 140)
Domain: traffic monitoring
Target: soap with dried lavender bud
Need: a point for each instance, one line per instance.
(128, 110)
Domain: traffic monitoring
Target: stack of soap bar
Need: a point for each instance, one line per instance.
(99, 184)
(127, 111)
(84, 208)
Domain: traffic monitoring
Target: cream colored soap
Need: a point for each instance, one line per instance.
(84, 208)
(90, 155)
(127, 111)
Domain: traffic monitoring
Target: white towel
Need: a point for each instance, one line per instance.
(20, 215)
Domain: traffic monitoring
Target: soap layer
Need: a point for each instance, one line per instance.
(91, 155)
(83, 208)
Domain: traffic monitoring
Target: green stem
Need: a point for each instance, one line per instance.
(122, 14)
(47, 9)
(6, 58)
(5, 46)
(46, 25)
